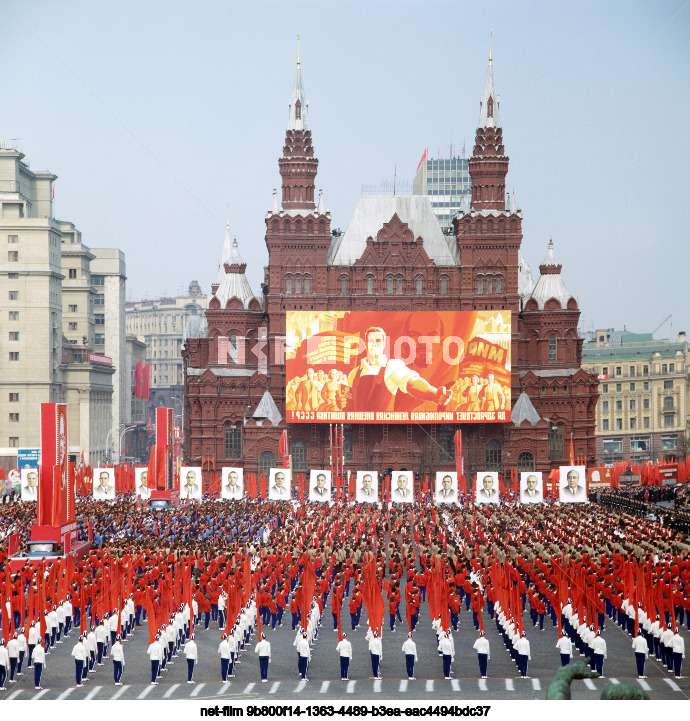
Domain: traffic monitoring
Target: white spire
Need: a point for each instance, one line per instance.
(488, 113)
(550, 257)
(298, 102)
(227, 250)
(321, 210)
(276, 207)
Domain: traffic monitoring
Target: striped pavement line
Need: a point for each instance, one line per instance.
(224, 688)
(455, 684)
(377, 685)
(197, 690)
(119, 692)
(614, 681)
(145, 692)
(672, 684)
(430, 685)
(536, 685)
(274, 687)
(43, 692)
(300, 685)
(171, 690)
(590, 684)
(350, 687)
(510, 684)
(249, 687)
(14, 694)
(482, 684)
(324, 686)
(65, 693)
(92, 692)
(644, 684)
(403, 685)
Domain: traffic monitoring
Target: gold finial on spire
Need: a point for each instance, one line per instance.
(227, 222)
(491, 46)
(297, 49)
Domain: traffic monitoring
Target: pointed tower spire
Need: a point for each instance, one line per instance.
(489, 164)
(298, 165)
(298, 102)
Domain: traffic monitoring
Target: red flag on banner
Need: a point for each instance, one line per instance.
(572, 451)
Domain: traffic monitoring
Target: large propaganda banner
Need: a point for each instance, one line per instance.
(398, 367)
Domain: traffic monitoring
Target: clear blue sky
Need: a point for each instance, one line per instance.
(155, 114)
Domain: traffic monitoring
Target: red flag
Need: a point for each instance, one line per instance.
(138, 379)
(145, 382)
(572, 451)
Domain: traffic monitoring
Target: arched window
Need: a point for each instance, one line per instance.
(298, 284)
(446, 444)
(398, 286)
(556, 443)
(298, 451)
(288, 284)
(233, 440)
(418, 283)
(493, 455)
(480, 285)
(348, 444)
(343, 285)
(525, 462)
(498, 284)
(298, 110)
(370, 285)
(444, 285)
(233, 352)
(489, 290)
(307, 283)
(553, 350)
(267, 460)
(389, 285)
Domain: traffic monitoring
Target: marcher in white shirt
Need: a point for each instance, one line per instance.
(118, 656)
(678, 651)
(344, 649)
(376, 651)
(4, 663)
(79, 653)
(410, 650)
(224, 651)
(39, 662)
(303, 655)
(641, 649)
(263, 648)
(599, 653)
(481, 646)
(446, 649)
(565, 647)
(155, 653)
(13, 654)
(192, 654)
(524, 656)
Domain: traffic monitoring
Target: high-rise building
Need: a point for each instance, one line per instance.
(47, 306)
(162, 324)
(447, 183)
(393, 256)
(643, 411)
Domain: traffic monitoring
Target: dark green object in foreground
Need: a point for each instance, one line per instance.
(559, 689)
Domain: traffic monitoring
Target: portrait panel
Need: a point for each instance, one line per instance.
(141, 482)
(531, 487)
(320, 486)
(367, 487)
(572, 484)
(279, 484)
(402, 487)
(487, 487)
(232, 483)
(191, 482)
(103, 484)
(29, 484)
(446, 487)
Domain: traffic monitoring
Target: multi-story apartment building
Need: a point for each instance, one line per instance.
(643, 410)
(162, 324)
(47, 305)
(447, 183)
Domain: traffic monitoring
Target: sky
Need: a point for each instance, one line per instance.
(157, 115)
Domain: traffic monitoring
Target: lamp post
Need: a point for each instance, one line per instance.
(119, 446)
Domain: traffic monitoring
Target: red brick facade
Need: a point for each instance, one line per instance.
(299, 277)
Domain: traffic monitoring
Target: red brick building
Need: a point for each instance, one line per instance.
(393, 256)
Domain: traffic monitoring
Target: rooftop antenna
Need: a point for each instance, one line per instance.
(395, 173)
